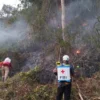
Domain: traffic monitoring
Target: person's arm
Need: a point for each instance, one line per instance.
(72, 70)
(55, 71)
(10, 65)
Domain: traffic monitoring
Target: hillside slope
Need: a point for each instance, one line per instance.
(28, 86)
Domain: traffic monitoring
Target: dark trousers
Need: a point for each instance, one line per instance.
(66, 90)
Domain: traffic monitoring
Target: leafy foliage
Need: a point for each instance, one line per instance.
(25, 86)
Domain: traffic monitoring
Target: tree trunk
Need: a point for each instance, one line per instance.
(63, 19)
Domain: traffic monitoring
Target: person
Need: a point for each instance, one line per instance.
(64, 73)
(6, 65)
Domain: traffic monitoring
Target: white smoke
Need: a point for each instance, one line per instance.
(73, 10)
(81, 16)
(13, 33)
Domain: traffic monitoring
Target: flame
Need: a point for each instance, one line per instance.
(78, 51)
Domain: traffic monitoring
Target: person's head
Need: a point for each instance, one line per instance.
(66, 59)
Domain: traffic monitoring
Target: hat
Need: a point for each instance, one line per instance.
(66, 57)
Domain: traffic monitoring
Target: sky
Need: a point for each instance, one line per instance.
(9, 2)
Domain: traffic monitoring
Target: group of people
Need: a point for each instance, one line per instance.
(5, 68)
(64, 72)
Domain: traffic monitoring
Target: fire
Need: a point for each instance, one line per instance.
(78, 51)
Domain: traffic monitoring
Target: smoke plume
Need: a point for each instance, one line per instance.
(13, 34)
(80, 16)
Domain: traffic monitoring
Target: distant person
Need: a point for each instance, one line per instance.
(6, 65)
(64, 74)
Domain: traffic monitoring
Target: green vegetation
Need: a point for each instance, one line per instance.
(26, 86)
(45, 37)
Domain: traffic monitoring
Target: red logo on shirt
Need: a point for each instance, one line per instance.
(62, 71)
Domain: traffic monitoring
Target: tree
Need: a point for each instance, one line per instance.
(63, 19)
(1, 14)
(8, 10)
